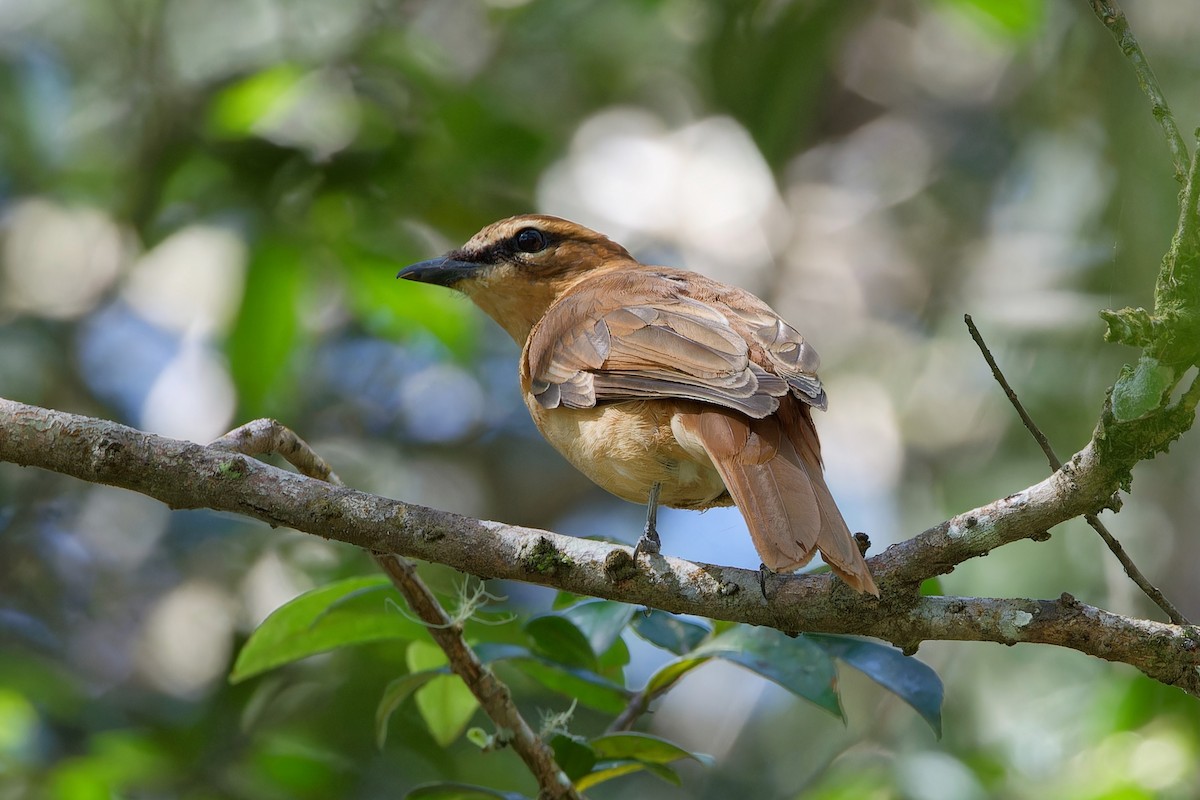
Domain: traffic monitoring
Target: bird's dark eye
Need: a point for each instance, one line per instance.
(531, 240)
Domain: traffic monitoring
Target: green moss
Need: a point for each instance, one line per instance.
(545, 559)
(233, 469)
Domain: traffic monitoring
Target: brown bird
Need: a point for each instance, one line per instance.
(661, 385)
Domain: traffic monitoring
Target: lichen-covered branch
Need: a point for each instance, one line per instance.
(187, 475)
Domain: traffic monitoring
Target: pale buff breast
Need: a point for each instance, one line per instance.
(625, 448)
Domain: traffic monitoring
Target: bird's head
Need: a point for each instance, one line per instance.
(516, 268)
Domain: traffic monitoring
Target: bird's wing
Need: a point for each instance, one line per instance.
(640, 337)
(772, 468)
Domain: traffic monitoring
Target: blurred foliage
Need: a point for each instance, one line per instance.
(202, 208)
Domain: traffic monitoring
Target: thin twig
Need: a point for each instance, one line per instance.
(1110, 13)
(637, 705)
(1131, 569)
(264, 436)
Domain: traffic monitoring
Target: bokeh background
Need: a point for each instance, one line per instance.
(203, 205)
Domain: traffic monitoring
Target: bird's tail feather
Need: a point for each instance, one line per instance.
(772, 468)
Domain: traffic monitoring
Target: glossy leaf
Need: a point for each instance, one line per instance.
(576, 758)
(600, 621)
(672, 671)
(669, 631)
(345, 613)
(797, 664)
(642, 747)
(909, 679)
(558, 639)
(590, 689)
(616, 769)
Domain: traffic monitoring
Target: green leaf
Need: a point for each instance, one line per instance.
(397, 309)
(445, 702)
(607, 773)
(615, 769)
(669, 631)
(575, 757)
(600, 621)
(909, 679)
(590, 689)
(672, 671)
(459, 791)
(265, 332)
(1014, 19)
(345, 613)
(394, 695)
(797, 664)
(558, 639)
(237, 108)
(642, 747)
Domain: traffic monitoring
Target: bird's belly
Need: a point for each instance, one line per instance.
(626, 448)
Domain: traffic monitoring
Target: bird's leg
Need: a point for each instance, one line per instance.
(649, 542)
(763, 572)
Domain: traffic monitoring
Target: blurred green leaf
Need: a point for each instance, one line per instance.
(397, 309)
(669, 631)
(616, 769)
(265, 331)
(601, 621)
(459, 791)
(345, 613)
(445, 702)
(672, 671)
(237, 108)
(1011, 18)
(590, 689)
(395, 694)
(909, 679)
(643, 747)
(558, 639)
(613, 660)
(576, 758)
(796, 664)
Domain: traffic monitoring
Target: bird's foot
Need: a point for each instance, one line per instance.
(649, 543)
(763, 572)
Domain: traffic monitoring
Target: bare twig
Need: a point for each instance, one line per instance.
(1114, 545)
(1110, 13)
(264, 436)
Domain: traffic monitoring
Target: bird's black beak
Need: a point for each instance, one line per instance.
(443, 271)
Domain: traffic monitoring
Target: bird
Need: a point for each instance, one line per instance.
(661, 385)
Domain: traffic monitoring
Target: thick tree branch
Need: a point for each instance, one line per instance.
(187, 475)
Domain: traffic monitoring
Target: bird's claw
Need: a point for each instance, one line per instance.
(649, 543)
(763, 572)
